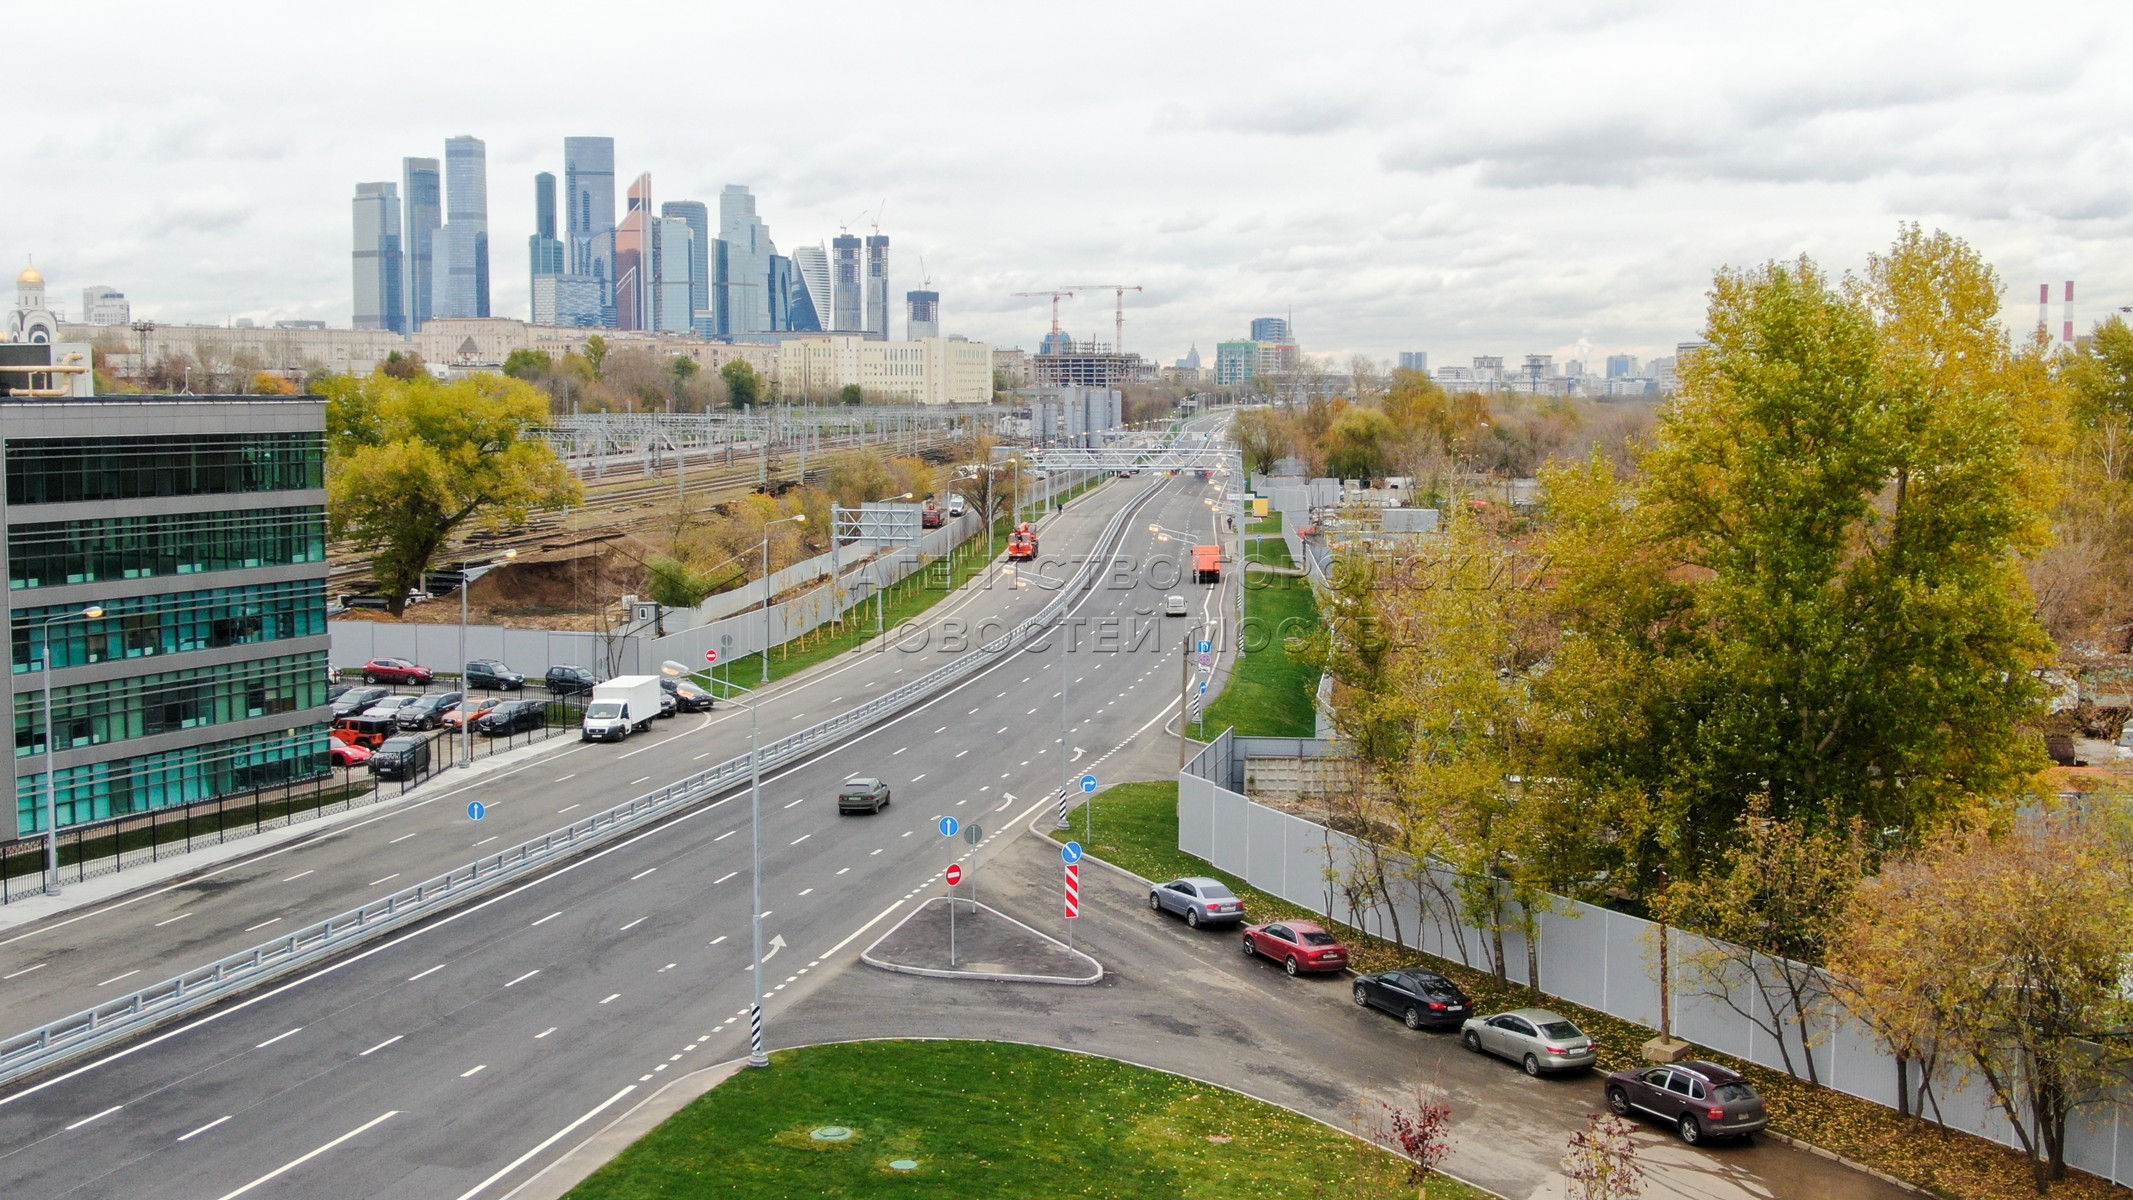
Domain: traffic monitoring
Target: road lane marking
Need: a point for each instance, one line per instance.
(300, 875)
(544, 920)
(277, 1037)
(544, 1033)
(722, 837)
(641, 874)
(663, 970)
(478, 1069)
(523, 978)
(299, 1161)
(430, 971)
(181, 916)
(942, 729)
(715, 941)
(186, 1137)
(725, 877)
(262, 924)
(27, 970)
(98, 1117)
(634, 924)
(116, 978)
(917, 777)
(387, 879)
(616, 996)
(561, 778)
(559, 812)
(961, 753)
(803, 837)
(635, 782)
(1002, 729)
(796, 802)
(805, 891)
(381, 1045)
(907, 833)
(898, 750)
(872, 853)
(842, 870)
(485, 841)
(403, 837)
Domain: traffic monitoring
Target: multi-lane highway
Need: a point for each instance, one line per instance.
(456, 1059)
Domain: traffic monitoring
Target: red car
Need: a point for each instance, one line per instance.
(468, 710)
(396, 670)
(348, 754)
(1298, 946)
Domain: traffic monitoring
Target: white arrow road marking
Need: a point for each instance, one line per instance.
(776, 944)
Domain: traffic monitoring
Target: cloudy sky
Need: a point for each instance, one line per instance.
(1512, 179)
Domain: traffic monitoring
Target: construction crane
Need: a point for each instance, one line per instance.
(1118, 343)
(1057, 295)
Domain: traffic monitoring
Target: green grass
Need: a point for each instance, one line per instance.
(989, 1119)
(1271, 695)
(1270, 523)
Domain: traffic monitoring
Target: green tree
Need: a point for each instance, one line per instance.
(413, 461)
(528, 364)
(683, 369)
(852, 393)
(404, 366)
(1263, 436)
(1359, 443)
(595, 353)
(743, 386)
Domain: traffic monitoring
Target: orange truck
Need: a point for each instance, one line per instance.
(930, 517)
(1022, 544)
(1207, 564)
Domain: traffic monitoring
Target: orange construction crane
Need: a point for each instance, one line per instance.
(1118, 342)
(1056, 296)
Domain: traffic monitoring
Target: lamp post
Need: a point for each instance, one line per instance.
(51, 735)
(802, 518)
(467, 576)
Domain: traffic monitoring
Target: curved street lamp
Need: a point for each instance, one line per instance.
(51, 735)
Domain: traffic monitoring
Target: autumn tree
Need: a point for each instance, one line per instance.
(1359, 444)
(528, 364)
(1262, 435)
(1422, 1132)
(1601, 1163)
(411, 462)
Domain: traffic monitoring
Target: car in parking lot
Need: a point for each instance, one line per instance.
(512, 716)
(396, 670)
(1535, 1038)
(687, 696)
(1299, 946)
(358, 699)
(863, 794)
(569, 681)
(467, 710)
(403, 757)
(348, 754)
(1423, 999)
(1198, 899)
(491, 675)
(427, 711)
(390, 706)
(1699, 1099)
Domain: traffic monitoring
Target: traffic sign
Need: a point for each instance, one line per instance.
(1073, 891)
(955, 874)
(1206, 661)
(476, 810)
(949, 825)
(710, 656)
(973, 834)
(1088, 785)
(1206, 645)
(1071, 852)
(1203, 687)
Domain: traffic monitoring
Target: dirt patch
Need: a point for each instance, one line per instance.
(575, 589)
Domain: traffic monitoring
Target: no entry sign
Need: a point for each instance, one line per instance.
(955, 874)
(710, 656)
(1073, 890)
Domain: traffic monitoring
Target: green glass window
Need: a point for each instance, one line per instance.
(48, 553)
(94, 714)
(58, 470)
(142, 626)
(100, 791)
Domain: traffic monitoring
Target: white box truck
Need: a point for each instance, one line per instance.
(621, 706)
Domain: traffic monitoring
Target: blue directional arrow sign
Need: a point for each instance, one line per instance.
(1088, 783)
(949, 825)
(1206, 645)
(1203, 687)
(1071, 852)
(476, 810)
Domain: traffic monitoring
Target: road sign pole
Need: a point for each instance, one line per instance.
(1185, 687)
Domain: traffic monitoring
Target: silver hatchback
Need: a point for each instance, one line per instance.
(1534, 1038)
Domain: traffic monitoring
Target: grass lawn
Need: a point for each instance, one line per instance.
(1138, 824)
(1270, 523)
(989, 1119)
(1270, 695)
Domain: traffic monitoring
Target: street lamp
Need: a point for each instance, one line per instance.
(467, 576)
(51, 734)
(674, 670)
(802, 518)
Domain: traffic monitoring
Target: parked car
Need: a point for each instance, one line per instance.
(468, 710)
(512, 716)
(688, 696)
(1423, 999)
(390, 706)
(668, 705)
(397, 671)
(1299, 946)
(334, 691)
(569, 681)
(352, 702)
(360, 729)
(1201, 901)
(348, 754)
(1536, 1039)
(863, 794)
(1699, 1099)
(403, 757)
(494, 676)
(427, 712)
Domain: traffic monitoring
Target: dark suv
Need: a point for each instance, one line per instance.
(403, 757)
(427, 712)
(1699, 1099)
(512, 716)
(491, 675)
(566, 681)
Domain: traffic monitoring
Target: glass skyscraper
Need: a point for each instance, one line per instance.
(877, 317)
(847, 305)
(422, 190)
(544, 248)
(811, 264)
(588, 200)
(460, 269)
(698, 218)
(748, 251)
(379, 292)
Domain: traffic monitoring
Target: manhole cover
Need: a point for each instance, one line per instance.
(903, 1164)
(831, 1133)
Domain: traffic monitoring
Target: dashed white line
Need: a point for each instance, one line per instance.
(715, 941)
(403, 837)
(638, 780)
(387, 879)
(872, 853)
(898, 750)
(722, 837)
(116, 978)
(559, 812)
(475, 1070)
(616, 996)
(523, 978)
(961, 753)
(485, 841)
(430, 971)
(301, 1159)
(173, 920)
(842, 870)
(186, 1137)
(544, 1033)
(725, 877)
(805, 891)
(98, 1117)
(277, 1037)
(300, 875)
(917, 777)
(633, 924)
(803, 837)
(544, 920)
(641, 874)
(561, 778)
(27, 970)
(796, 802)
(262, 924)
(381, 1045)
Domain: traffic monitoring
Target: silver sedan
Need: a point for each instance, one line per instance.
(1534, 1038)
(1201, 901)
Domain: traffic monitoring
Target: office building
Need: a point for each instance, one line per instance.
(782, 283)
(700, 257)
(460, 248)
(379, 290)
(1488, 368)
(422, 191)
(1621, 366)
(877, 314)
(922, 315)
(101, 305)
(567, 300)
(197, 525)
(588, 200)
(1270, 329)
(748, 251)
(810, 264)
(544, 248)
(847, 303)
(1414, 360)
(670, 252)
(922, 371)
(1242, 362)
(630, 245)
(1191, 361)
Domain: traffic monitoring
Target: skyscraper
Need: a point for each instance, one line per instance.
(544, 247)
(748, 251)
(460, 264)
(699, 221)
(588, 199)
(811, 267)
(781, 290)
(670, 258)
(1414, 360)
(922, 315)
(423, 192)
(878, 286)
(632, 245)
(1270, 329)
(379, 292)
(1621, 366)
(847, 306)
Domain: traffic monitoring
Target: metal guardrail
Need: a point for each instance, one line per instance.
(49, 1045)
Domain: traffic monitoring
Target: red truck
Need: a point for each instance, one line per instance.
(1022, 544)
(931, 516)
(1207, 564)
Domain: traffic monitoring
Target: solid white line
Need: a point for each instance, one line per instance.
(523, 978)
(300, 875)
(641, 874)
(98, 1117)
(381, 1045)
(27, 970)
(294, 1163)
(277, 1037)
(262, 924)
(420, 974)
(725, 877)
(544, 920)
(387, 879)
(476, 1071)
(856, 932)
(550, 1140)
(173, 920)
(116, 978)
(186, 1137)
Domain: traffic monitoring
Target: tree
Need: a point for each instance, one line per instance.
(852, 393)
(267, 383)
(744, 387)
(595, 353)
(1602, 1161)
(2009, 953)
(413, 461)
(404, 366)
(528, 364)
(1359, 444)
(1264, 438)
(1422, 1134)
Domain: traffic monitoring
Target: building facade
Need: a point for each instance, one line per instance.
(379, 288)
(102, 305)
(460, 248)
(810, 266)
(698, 217)
(588, 199)
(922, 315)
(544, 249)
(1270, 329)
(748, 251)
(1414, 360)
(196, 527)
(422, 191)
(877, 290)
(847, 288)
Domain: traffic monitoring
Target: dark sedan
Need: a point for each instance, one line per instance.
(688, 696)
(427, 712)
(357, 700)
(1423, 999)
(1699, 1099)
(516, 716)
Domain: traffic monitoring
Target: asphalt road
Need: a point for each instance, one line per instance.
(456, 1059)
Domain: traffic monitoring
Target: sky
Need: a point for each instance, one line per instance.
(1519, 178)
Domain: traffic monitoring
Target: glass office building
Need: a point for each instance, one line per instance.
(196, 526)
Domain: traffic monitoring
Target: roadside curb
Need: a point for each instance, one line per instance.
(1786, 1139)
(867, 955)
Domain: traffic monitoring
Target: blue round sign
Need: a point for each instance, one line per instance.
(1088, 783)
(1071, 852)
(949, 825)
(476, 810)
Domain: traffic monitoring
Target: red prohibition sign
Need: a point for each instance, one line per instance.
(955, 874)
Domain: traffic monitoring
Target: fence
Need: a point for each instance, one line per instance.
(1601, 959)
